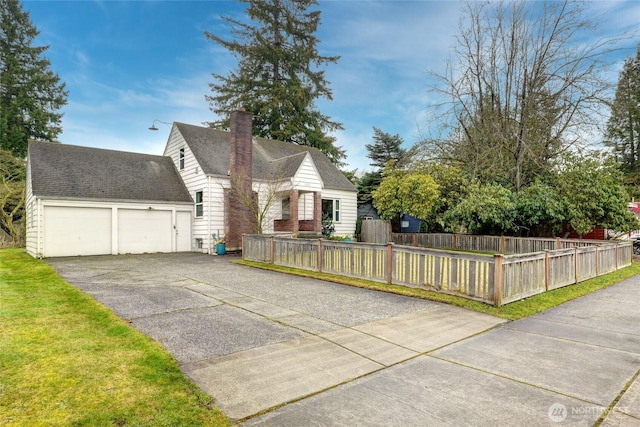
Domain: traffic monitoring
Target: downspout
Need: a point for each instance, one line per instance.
(209, 212)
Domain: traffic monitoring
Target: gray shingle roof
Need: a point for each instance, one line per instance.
(271, 159)
(70, 171)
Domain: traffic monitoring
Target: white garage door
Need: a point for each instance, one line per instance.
(70, 231)
(141, 231)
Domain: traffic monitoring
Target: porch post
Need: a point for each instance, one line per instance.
(317, 212)
(293, 211)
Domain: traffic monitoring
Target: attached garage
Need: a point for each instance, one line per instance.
(77, 231)
(88, 201)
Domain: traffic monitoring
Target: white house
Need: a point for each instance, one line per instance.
(294, 184)
(88, 201)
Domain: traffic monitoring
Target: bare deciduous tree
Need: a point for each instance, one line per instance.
(258, 201)
(523, 87)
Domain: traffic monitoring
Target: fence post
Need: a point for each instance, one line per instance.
(415, 239)
(546, 270)
(502, 244)
(497, 280)
(319, 260)
(389, 262)
(597, 261)
(455, 241)
(575, 263)
(557, 243)
(272, 248)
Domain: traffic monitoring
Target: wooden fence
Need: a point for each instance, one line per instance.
(492, 244)
(493, 279)
(375, 231)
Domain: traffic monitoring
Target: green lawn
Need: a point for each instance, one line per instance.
(67, 360)
(513, 311)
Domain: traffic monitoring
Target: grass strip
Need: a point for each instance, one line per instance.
(512, 311)
(68, 360)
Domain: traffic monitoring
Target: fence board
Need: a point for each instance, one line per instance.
(256, 248)
(375, 231)
(607, 261)
(523, 245)
(562, 270)
(296, 253)
(625, 254)
(586, 263)
(366, 261)
(523, 276)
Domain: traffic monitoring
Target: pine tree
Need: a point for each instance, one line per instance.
(623, 127)
(30, 93)
(385, 151)
(279, 75)
(385, 148)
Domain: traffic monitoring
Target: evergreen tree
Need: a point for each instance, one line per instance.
(366, 185)
(279, 75)
(623, 127)
(385, 148)
(385, 151)
(30, 93)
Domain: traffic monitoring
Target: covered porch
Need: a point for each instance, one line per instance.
(301, 211)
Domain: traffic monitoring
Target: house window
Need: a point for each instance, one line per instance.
(181, 158)
(286, 208)
(331, 207)
(199, 244)
(199, 204)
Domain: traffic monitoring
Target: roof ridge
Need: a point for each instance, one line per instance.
(302, 153)
(84, 147)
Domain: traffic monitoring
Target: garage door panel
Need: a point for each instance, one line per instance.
(71, 231)
(141, 231)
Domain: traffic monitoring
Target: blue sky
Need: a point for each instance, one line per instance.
(128, 63)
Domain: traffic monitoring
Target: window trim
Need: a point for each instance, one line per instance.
(199, 203)
(335, 209)
(181, 158)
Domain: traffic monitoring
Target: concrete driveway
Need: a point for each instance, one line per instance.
(280, 350)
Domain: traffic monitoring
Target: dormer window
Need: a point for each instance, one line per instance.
(181, 158)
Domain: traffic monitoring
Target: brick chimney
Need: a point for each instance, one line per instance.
(239, 217)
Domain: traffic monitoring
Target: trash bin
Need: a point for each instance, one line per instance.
(221, 248)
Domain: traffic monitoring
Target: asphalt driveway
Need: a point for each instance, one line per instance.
(305, 352)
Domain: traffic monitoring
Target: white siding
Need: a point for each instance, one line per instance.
(305, 206)
(214, 210)
(32, 219)
(307, 177)
(271, 193)
(348, 211)
(195, 180)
